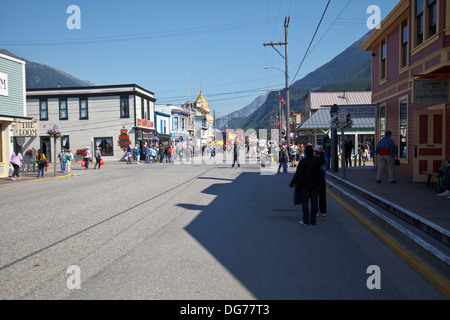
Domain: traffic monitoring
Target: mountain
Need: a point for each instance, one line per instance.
(348, 71)
(44, 76)
(233, 119)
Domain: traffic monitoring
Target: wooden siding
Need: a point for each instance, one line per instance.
(14, 103)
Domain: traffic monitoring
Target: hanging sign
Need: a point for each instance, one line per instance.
(27, 129)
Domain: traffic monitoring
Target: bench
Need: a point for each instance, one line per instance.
(430, 174)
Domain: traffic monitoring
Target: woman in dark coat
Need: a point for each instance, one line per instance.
(307, 179)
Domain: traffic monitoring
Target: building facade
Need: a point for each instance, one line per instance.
(313, 128)
(13, 109)
(176, 128)
(108, 117)
(410, 83)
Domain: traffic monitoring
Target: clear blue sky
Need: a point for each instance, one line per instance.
(157, 44)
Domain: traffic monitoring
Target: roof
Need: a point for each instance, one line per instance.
(321, 120)
(318, 99)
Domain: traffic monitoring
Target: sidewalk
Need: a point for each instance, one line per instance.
(414, 202)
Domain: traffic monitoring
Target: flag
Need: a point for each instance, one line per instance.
(282, 101)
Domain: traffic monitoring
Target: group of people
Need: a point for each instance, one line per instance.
(17, 162)
(65, 158)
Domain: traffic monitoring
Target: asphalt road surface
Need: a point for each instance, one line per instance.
(195, 232)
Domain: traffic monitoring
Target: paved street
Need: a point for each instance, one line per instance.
(194, 232)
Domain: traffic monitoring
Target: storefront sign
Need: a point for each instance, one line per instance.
(3, 84)
(27, 129)
(430, 91)
(342, 117)
(124, 139)
(141, 123)
(361, 111)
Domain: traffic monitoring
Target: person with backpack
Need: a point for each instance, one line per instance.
(41, 161)
(326, 146)
(86, 158)
(444, 180)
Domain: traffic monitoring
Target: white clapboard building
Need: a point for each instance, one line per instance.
(110, 117)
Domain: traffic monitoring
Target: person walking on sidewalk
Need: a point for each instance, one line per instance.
(387, 151)
(283, 159)
(62, 159)
(16, 161)
(41, 162)
(98, 158)
(87, 158)
(70, 158)
(307, 179)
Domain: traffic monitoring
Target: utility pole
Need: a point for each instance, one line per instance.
(285, 57)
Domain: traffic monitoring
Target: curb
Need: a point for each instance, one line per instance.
(429, 227)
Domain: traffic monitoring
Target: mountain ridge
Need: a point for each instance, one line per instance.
(40, 75)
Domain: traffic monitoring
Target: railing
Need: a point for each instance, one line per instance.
(28, 166)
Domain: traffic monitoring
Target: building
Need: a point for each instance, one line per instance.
(204, 122)
(313, 129)
(14, 123)
(109, 117)
(177, 126)
(410, 83)
(162, 126)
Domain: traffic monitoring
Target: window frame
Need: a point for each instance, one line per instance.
(41, 118)
(382, 120)
(60, 109)
(404, 44)
(403, 126)
(102, 149)
(81, 108)
(383, 60)
(124, 113)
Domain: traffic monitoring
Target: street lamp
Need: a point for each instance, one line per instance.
(334, 140)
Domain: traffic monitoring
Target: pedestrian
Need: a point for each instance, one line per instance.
(283, 159)
(307, 179)
(161, 153)
(444, 180)
(87, 158)
(128, 155)
(213, 152)
(70, 158)
(16, 161)
(326, 146)
(348, 147)
(236, 155)
(387, 152)
(147, 154)
(98, 158)
(137, 154)
(153, 154)
(41, 161)
(364, 155)
(323, 185)
(62, 159)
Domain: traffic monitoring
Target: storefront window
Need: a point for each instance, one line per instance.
(382, 120)
(105, 144)
(65, 142)
(403, 128)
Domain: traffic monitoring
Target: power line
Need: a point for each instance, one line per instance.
(306, 53)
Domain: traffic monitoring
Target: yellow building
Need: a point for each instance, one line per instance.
(204, 121)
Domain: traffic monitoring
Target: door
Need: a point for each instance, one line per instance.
(428, 142)
(46, 148)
